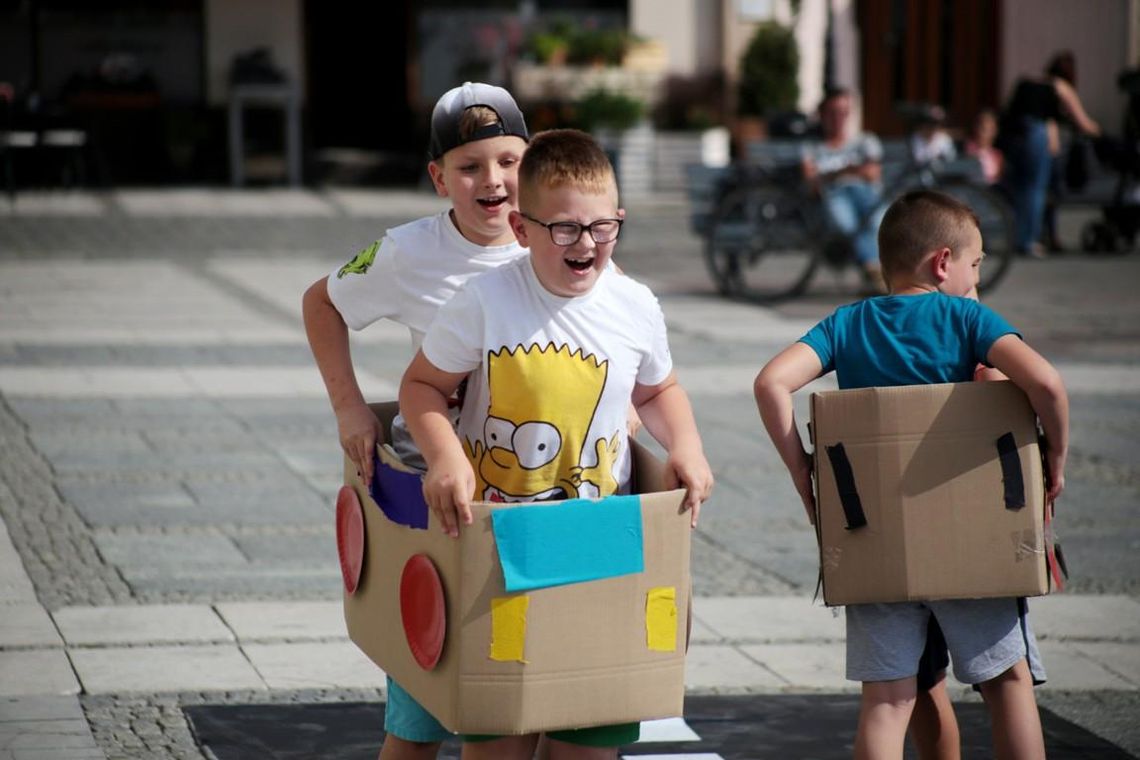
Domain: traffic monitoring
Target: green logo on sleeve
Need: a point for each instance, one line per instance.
(361, 262)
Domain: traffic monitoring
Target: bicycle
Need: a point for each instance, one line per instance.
(767, 236)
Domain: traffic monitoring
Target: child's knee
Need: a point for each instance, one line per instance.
(1017, 676)
(896, 695)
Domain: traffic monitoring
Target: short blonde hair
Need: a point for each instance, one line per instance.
(564, 157)
(919, 222)
(475, 118)
(471, 121)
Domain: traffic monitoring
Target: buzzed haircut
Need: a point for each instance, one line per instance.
(919, 222)
(561, 158)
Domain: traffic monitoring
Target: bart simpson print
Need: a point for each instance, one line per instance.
(542, 403)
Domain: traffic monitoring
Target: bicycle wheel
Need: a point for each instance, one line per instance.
(995, 219)
(758, 246)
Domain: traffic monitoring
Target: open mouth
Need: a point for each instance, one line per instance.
(493, 203)
(495, 495)
(579, 265)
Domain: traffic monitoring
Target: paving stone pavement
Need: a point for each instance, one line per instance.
(168, 465)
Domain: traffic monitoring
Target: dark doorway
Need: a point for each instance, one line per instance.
(359, 59)
(937, 51)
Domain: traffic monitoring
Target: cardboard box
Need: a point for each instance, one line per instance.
(594, 652)
(949, 479)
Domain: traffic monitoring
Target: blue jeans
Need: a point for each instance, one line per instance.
(847, 204)
(1027, 177)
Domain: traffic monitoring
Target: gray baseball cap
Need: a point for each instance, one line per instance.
(449, 108)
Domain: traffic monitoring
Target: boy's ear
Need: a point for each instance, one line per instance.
(435, 171)
(518, 226)
(940, 264)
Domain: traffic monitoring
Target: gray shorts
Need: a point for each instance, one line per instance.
(985, 637)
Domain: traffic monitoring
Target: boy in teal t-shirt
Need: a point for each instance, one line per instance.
(929, 245)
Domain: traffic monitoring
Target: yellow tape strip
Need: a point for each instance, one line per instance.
(508, 627)
(661, 619)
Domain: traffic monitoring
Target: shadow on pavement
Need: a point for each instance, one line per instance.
(820, 727)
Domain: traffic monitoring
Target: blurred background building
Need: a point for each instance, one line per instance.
(148, 91)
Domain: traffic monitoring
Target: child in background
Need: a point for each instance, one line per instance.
(554, 347)
(981, 146)
(478, 136)
(928, 243)
(930, 142)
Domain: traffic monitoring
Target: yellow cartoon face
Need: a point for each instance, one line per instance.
(542, 402)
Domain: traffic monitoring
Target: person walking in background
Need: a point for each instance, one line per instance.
(846, 170)
(1029, 139)
(1063, 66)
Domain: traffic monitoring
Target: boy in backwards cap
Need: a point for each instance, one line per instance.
(478, 136)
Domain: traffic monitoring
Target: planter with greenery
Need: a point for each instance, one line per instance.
(767, 82)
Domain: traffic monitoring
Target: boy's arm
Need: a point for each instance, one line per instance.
(791, 369)
(982, 373)
(357, 426)
(1042, 383)
(450, 481)
(668, 416)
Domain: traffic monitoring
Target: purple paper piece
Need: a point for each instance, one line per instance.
(399, 494)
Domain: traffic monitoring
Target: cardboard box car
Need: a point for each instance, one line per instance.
(576, 654)
(930, 492)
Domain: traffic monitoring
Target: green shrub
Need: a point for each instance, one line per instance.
(591, 46)
(768, 72)
(604, 109)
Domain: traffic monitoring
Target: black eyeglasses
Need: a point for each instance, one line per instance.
(569, 233)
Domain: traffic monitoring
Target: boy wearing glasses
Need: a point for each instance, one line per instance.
(554, 347)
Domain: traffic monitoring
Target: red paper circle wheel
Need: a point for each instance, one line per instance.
(349, 537)
(422, 610)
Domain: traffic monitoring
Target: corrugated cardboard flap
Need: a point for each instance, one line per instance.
(586, 660)
(932, 470)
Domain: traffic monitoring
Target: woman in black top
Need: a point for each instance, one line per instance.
(1029, 140)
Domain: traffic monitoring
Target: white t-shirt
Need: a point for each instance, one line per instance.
(545, 414)
(858, 150)
(940, 147)
(416, 268)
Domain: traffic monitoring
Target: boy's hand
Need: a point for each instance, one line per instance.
(448, 486)
(801, 477)
(359, 430)
(1054, 474)
(691, 470)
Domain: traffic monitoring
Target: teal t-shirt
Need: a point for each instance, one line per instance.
(906, 340)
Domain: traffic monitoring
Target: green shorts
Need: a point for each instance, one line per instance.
(616, 735)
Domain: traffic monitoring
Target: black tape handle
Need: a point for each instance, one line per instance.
(1011, 479)
(845, 484)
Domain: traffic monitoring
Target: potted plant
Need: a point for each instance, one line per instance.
(767, 84)
(616, 120)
